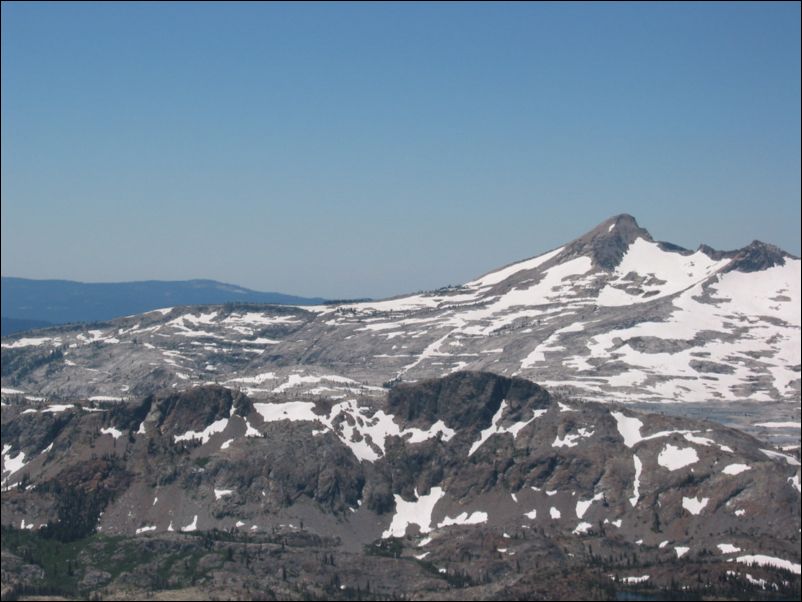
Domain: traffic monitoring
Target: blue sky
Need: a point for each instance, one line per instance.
(373, 149)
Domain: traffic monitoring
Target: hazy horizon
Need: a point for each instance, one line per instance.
(343, 150)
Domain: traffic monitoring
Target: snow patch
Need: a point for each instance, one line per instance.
(728, 548)
(112, 431)
(582, 528)
(674, 458)
(495, 429)
(10, 391)
(12, 465)
(773, 454)
(733, 469)
(504, 273)
(583, 505)
(763, 560)
(30, 342)
(570, 440)
(417, 512)
(694, 505)
(474, 518)
(193, 526)
(636, 485)
(215, 427)
(628, 427)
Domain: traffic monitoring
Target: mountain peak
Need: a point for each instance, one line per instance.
(624, 225)
(607, 242)
(757, 256)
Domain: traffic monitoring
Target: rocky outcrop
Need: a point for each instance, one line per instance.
(607, 242)
(757, 256)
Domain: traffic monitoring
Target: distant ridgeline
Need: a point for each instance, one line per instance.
(29, 304)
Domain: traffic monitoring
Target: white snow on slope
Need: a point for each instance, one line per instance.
(475, 518)
(495, 429)
(629, 428)
(694, 505)
(257, 379)
(215, 427)
(773, 454)
(728, 548)
(583, 505)
(295, 380)
(363, 433)
(677, 271)
(675, 458)
(193, 526)
(417, 512)
(12, 465)
(757, 293)
(111, 431)
(550, 344)
(763, 560)
(570, 440)
(504, 273)
(733, 469)
(636, 485)
(553, 285)
(582, 528)
(31, 342)
(739, 300)
(289, 410)
(58, 407)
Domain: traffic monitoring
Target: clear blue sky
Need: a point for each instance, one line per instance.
(374, 149)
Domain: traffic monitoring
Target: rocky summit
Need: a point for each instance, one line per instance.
(614, 416)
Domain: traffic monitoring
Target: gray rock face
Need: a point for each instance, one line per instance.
(607, 243)
(758, 256)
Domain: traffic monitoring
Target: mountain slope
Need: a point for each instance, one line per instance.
(63, 301)
(474, 473)
(611, 315)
